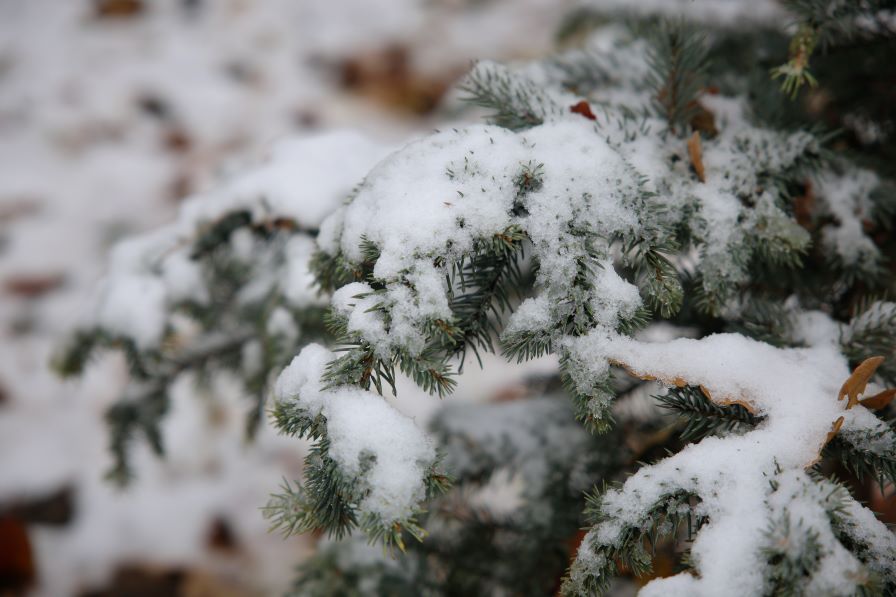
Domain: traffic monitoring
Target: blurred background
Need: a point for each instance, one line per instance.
(111, 112)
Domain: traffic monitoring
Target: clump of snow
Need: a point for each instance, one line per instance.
(301, 181)
(281, 324)
(134, 307)
(361, 426)
(299, 284)
(743, 481)
(462, 184)
(358, 304)
(847, 199)
(431, 203)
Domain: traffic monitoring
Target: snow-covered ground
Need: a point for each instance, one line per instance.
(110, 112)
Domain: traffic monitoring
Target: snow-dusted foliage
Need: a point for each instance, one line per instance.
(613, 187)
(227, 286)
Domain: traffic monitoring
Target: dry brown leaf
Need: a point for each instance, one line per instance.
(695, 151)
(17, 565)
(117, 9)
(584, 109)
(879, 400)
(803, 206)
(32, 285)
(703, 121)
(855, 384)
(835, 427)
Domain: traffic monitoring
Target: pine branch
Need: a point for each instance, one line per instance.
(678, 60)
(516, 102)
(597, 563)
(704, 417)
(485, 281)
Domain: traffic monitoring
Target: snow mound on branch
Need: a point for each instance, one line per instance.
(364, 431)
(302, 180)
(744, 482)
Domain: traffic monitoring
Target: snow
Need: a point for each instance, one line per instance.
(299, 285)
(795, 390)
(725, 13)
(361, 425)
(461, 183)
(88, 168)
(134, 307)
(358, 304)
(301, 180)
(847, 199)
(82, 165)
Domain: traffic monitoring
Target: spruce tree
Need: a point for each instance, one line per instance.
(693, 216)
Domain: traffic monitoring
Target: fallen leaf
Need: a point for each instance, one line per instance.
(118, 8)
(879, 400)
(855, 384)
(835, 427)
(584, 109)
(695, 151)
(32, 286)
(17, 569)
(703, 121)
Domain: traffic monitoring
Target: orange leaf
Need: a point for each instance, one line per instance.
(855, 384)
(835, 427)
(880, 400)
(695, 151)
(584, 109)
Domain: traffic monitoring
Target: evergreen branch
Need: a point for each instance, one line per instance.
(334, 271)
(795, 71)
(765, 319)
(515, 101)
(525, 345)
(144, 409)
(863, 461)
(219, 233)
(597, 563)
(705, 417)
(592, 404)
(872, 332)
(677, 57)
(790, 559)
(129, 416)
(657, 276)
